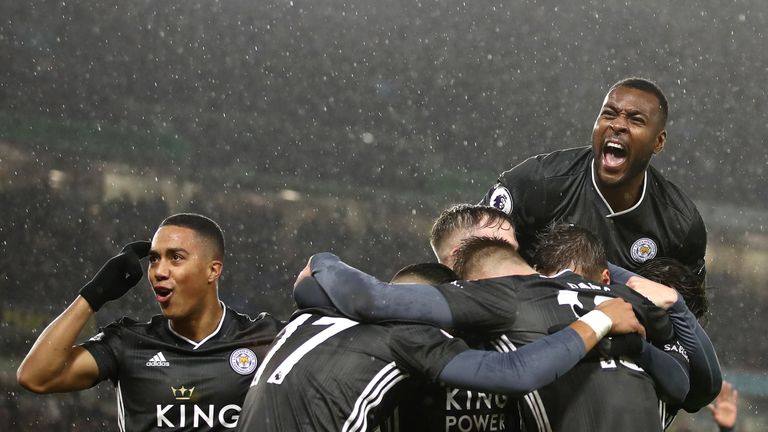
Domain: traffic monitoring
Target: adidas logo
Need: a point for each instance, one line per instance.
(158, 360)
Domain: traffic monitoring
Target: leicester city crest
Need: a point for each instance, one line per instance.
(501, 199)
(243, 361)
(643, 249)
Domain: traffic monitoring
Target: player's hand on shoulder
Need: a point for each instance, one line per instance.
(622, 315)
(661, 295)
(118, 275)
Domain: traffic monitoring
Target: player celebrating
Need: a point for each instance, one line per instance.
(186, 369)
(610, 189)
(329, 373)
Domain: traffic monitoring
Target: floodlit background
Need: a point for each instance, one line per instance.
(305, 126)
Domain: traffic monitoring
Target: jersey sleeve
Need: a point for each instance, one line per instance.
(519, 192)
(481, 306)
(706, 376)
(530, 367)
(668, 366)
(362, 297)
(104, 347)
(424, 350)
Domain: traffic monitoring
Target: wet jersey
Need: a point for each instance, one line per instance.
(434, 407)
(560, 187)
(329, 373)
(165, 381)
(599, 395)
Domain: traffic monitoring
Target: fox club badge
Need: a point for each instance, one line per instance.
(243, 361)
(643, 249)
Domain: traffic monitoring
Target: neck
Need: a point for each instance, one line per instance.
(504, 268)
(201, 325)
(622, 197)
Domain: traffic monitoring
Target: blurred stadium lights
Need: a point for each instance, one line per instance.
(289, 195)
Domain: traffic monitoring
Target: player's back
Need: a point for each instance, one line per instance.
(593, 396)
(324, 373)
(598, 394)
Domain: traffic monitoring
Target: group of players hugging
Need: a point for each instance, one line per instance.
(568, 300)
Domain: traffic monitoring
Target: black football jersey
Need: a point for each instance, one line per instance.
(165, 381)
(434, 407)
(600, 395)
(329, 373)
(560, 187)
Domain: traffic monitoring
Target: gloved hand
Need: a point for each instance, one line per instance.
(121, 273)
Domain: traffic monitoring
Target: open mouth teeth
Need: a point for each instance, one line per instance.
(614, 154)
(162, 291)
(615, 148)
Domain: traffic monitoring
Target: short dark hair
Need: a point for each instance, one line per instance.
(648, 86)
(429, 272)
(474, 250)
(673, 273)
(202, 225)
(569, 246)
(462, 217)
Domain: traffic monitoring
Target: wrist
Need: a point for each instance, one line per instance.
(599, 322)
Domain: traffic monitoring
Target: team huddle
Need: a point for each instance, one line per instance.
(568, 300)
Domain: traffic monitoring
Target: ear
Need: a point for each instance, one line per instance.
(214, 270)
(661, 140)
(605, 277)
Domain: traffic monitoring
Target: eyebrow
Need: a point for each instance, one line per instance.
(168, 251)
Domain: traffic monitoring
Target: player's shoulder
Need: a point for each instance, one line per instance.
(558, 163)
(262, 322)
(670, 195)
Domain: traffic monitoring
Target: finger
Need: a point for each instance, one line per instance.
(139, 248)
(641, 330)
(711, 408)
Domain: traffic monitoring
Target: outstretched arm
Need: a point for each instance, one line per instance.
(53, 364)
(542, 361)
(364, 298)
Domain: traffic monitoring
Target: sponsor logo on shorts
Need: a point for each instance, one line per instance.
(243, 361)
(501, 199)
(158, 360)
(643, 249)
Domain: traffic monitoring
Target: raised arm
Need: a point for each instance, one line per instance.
(54, 364)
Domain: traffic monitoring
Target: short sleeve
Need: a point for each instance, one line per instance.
(104, 347)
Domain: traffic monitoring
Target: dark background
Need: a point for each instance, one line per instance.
(346, 126)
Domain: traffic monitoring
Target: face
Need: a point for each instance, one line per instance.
(503, 230)
(627, 133)
(183, 272)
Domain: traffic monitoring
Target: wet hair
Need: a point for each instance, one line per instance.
(202, 225)
(462, 217)
(673, 273)
(569, 246)
(474, 251)
(429, 272)
(648, 86)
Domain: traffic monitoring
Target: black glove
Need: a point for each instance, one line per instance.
(121, 273)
